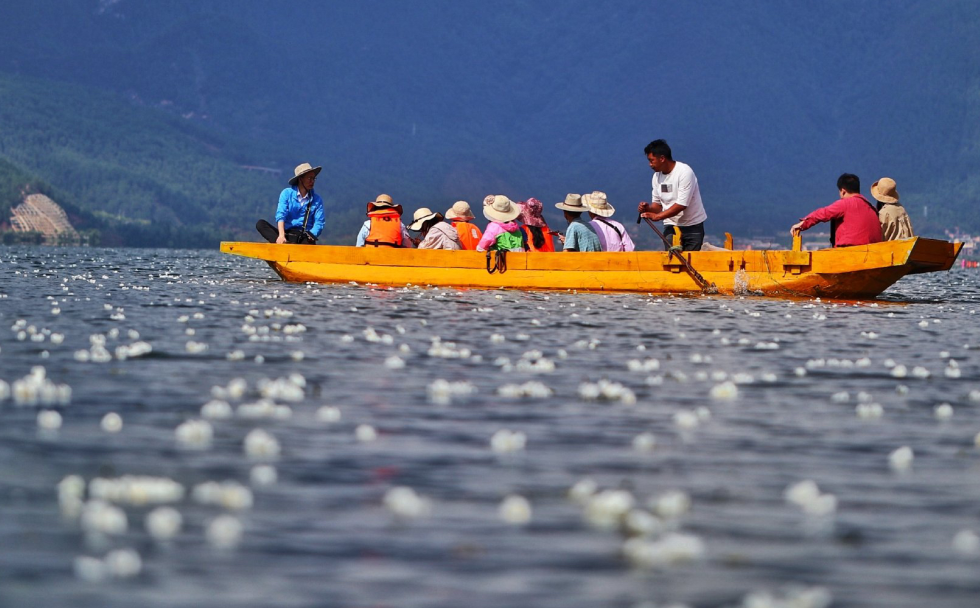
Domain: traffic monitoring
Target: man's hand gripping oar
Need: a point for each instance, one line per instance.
(676, 252)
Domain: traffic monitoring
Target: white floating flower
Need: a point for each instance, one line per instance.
(686, 420)
(943, 411)
(405, 503)
(90, 569)
(606, 508)
(259, 444)
(506, 441)
(671, 505)
(582, 490)
(111, 423)
(365, 433)
(869, 411)
(901, 459)
(216, 409)
(532, 390)
(263, 475)
(163, 523)
(669, 550)
(515, 510)
(394, 362)
(225, 532)
(102, 517)
(328, 414)
(194, 433)
(726, 391)
(967, 543)
(49, 420)
(644, 442)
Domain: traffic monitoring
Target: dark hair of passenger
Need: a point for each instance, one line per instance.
(537, 235)
(572, 215)
(658, 147)
(428, 224)
(849, 183)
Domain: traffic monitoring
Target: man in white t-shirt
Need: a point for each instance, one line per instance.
(675, 197)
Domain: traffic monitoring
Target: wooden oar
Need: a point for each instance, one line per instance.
(694, 274)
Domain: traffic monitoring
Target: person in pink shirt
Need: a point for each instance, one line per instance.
(853, 220)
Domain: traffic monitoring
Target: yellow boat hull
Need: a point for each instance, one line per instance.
(846, 272)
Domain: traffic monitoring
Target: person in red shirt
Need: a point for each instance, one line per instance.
(853, 220)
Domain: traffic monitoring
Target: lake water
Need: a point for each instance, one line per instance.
(714, 408)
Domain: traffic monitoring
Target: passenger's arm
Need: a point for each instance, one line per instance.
(363, 234)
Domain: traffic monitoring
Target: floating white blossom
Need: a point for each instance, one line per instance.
(111, 423)
(869, 411)
(444, 391)
(405, 503)
(194, 434)
(224, 532)
(328, 414)
(533, 390)
(101, 517)
(605, 509)
(49, 420)
(261, 445)
(229, 495)
(263, 475)
(365, 433)
(163, 523)
(604, 390)
(967, 543)
(943, 411)
(671, 505)
(216, 409)
(671, 549)
(644, 442)
(901, 459)
(505, 441)
(515, 510)
(726, 391)
(582, 490)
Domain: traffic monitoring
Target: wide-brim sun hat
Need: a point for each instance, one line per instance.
(302, 170)
(573, 202)
(422, 216)
(598, 204)
(885, 190)
(460, 211)
(499, 208)
(383, 202)
(531, 213)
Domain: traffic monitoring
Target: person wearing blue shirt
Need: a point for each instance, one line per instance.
(299, 216)
(580, 235)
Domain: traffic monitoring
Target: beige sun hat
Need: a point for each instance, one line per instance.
(573, 202)
(383, 202)
(422, 216)
(885, 190)
(302, 170)
(459, 211)
(598, 204)
(499, 208)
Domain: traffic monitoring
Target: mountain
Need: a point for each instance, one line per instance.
(441, 100)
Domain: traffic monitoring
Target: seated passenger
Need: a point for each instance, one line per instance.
(461, 216)
(384, 227)
(853, 220)
(612, 235)
(895, 222)
(580, 235)
(299, 216)
(503, 233)
(536, 231)
(433, 232)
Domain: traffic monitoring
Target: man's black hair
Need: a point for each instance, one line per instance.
(849, 182)
(658, 147)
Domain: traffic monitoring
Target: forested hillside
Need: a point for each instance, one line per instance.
(449, 99)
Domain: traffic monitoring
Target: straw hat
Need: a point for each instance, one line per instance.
(459, 211)
(885, 190)
(573, 202)
(302, 170)
(422, 216)
(597, 204)
(499, 208)
(531, 213)
(383, 202)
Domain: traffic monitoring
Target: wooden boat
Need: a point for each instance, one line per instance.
(846, 272)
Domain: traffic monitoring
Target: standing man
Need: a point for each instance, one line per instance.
(299, 216)
(675, 197)
(853, 219)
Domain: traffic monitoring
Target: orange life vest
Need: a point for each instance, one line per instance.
(469, 234)
(549, 243)
(386, 229)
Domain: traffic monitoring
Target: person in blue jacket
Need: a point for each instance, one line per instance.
(299, 217)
